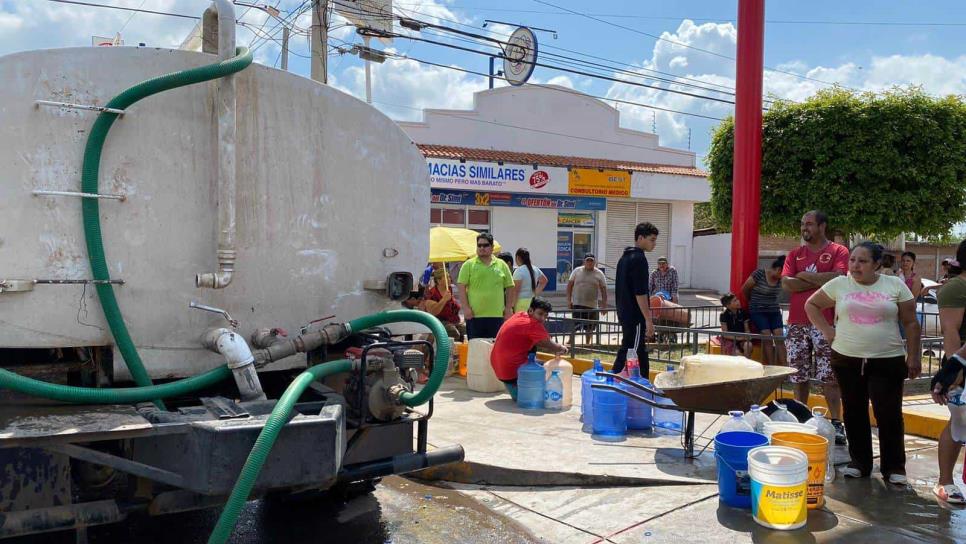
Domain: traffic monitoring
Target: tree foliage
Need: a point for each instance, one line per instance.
(878, 165)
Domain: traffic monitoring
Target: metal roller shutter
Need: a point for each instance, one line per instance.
(623, 216)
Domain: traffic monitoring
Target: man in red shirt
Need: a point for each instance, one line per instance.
(521, 334)
(807, 268)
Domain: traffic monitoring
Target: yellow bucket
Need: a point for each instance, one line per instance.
(816, 448)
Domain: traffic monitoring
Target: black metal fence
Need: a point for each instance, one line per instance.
(694, 332)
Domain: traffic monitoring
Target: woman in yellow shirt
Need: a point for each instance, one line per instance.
(868, 357)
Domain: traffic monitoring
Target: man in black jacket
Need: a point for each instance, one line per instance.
(631, 292)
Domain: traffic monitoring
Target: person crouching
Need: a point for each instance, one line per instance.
(523, 333)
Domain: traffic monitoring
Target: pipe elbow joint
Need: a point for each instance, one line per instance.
(214, 280)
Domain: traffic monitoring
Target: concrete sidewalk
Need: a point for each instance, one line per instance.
(540, 469)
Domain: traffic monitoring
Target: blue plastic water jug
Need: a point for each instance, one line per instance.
(553, 394)
(610, 412)
(531, 383)
(667, 419)
(587, 394)
(639, 417)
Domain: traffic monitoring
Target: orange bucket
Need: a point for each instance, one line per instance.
(462, 350)
(816, 449)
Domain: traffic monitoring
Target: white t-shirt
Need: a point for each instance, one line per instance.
(523, 275)
(867, 316)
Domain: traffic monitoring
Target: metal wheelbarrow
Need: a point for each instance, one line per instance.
(710, 398)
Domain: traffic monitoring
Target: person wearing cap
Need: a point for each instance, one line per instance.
(664, 281)
(586, 294)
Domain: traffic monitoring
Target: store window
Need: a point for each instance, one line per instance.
(477, 219)
(575, 238)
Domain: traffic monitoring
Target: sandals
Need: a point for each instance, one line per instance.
(949, 493)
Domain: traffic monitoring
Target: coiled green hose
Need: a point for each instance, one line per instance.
(91, 207)
(119, 395)
(280, 414)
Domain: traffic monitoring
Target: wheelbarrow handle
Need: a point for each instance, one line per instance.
(631, 383)
(635, 396)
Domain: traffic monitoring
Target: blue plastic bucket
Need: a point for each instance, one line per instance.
(731, 455)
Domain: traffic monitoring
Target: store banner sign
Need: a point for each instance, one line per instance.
(547, 202)
(575, 220)
(593, 182)
(565, 256)
(491, 176)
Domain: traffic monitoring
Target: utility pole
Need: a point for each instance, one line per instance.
(320, 38)
(285, 33)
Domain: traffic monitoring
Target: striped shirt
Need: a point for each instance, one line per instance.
(764, 297)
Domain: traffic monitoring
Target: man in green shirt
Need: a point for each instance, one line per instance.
(484, 287)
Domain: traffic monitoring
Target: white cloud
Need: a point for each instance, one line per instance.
(403, 88)
(937, 75)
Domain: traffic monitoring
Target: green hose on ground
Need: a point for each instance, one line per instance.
(280, 414)
(91, 207)
(263, 445)
(119, 395)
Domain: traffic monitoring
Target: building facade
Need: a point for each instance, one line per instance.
(552, 170)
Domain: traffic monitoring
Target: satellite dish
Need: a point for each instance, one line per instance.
(520, 56)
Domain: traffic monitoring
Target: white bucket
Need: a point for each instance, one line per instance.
(772, 427)
(779, 487)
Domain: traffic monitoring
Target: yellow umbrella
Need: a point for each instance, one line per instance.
(449, 244)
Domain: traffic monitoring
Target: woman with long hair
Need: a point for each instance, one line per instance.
(528, 281)
(761, 291)
(868, 357)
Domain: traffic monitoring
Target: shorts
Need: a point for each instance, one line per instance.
(483, 327)
(768, 320)
(588, 313)
(803, 343)
(511, 388)
(730, 347)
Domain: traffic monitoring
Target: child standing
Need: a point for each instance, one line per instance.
(734, 319)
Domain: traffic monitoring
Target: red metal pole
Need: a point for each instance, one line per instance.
(746, 190)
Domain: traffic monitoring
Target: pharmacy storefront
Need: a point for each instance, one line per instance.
(555, 212)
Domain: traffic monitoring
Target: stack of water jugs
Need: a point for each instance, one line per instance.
(609, 414)
(775, 465)
(540, 387)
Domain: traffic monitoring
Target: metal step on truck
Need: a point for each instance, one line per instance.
(198, 260)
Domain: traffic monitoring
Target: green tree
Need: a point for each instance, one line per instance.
(878, 164)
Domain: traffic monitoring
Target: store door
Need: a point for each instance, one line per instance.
(575, 239)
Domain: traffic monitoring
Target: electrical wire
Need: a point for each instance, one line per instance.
(138, 10)
(681, 44)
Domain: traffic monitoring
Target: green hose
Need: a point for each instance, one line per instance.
(266, 439)
(91, 208)
(120, 395)
(263, 445)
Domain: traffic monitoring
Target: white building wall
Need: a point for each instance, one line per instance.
(679, 244)
(533, 229)
(711, 262)
(557, 113)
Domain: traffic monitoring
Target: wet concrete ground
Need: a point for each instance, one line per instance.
(398, 512)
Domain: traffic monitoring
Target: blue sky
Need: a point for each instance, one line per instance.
(805, 38)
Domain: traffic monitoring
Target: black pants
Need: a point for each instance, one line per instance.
(632, 333)
(483, 327)
(878, 380)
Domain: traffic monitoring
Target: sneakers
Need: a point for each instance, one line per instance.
(851, 472)
(949, 493)
(839, 432)
(897, 479)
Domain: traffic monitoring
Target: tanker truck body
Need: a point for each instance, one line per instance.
(245, 221)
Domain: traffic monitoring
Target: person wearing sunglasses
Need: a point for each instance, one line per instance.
(485, 285)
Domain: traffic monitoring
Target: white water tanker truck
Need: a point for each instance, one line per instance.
(198, 257)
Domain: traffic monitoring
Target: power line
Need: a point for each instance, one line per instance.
(557, 89)
(680, 44)
(121, 8)
(574, 71)
(698, 19)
